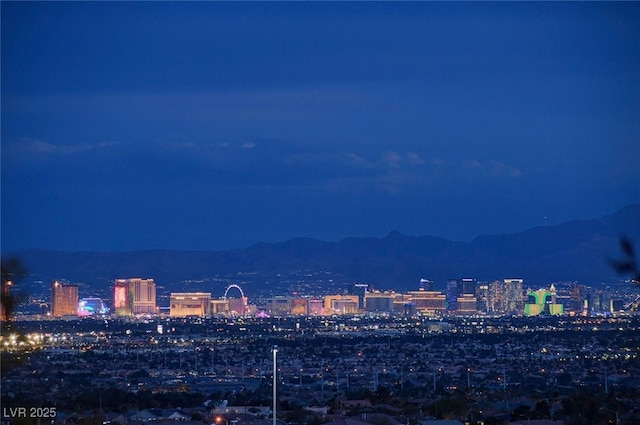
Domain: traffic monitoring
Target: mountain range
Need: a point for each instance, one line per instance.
(579, 250)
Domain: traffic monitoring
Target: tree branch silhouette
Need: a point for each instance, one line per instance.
(628, 265)
(12, 272)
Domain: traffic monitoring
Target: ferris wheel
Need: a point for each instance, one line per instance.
(233, 286)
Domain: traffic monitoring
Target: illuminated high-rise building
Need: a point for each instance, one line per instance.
(428, 303)
(144, 296)
(64, 299)
(184, 304)
(482, 296)
(543, 302)
(220, 307)
(280, 305)
(495, 297)
(468, 286)
(122, 298)
(513, 296)
(91, 306)
(238, 306)
(457, 288)
(315, 307)
(341, 304)
(402, 304)
(379, 302)
(577, 297)
(454, 290)
(467, 304)
(426, 285)
(599, 302)
(300, 307)
(6, 292)
(134, 296)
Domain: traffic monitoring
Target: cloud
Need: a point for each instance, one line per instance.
(287, 164)
(42, 147)
(395, 159)
(501, 169)
(392, 159)
(357, 160)
(248, 145)
(414, 158)
(473, 163)
(494, 168)
(335, 158)
(30, 149)
(389, 172)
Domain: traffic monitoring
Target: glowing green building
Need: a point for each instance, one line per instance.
(543, 301)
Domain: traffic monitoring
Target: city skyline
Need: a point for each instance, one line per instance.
(135, 297)
(207, 126)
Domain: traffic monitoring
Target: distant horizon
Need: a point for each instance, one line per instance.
(389, 233)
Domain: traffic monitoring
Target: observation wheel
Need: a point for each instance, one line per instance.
(233, 286)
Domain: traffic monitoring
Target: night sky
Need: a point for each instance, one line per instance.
(207, 125)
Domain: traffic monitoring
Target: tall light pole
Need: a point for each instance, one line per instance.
(612, 411)
(275, 351)
(434, 379)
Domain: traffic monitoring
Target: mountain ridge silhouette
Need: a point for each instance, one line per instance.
(578, 250)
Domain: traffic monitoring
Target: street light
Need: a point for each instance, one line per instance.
(275, 351)
(612, 411)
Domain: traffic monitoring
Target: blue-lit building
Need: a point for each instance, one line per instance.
(92, 306)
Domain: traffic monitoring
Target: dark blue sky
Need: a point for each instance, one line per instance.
(207, 125)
